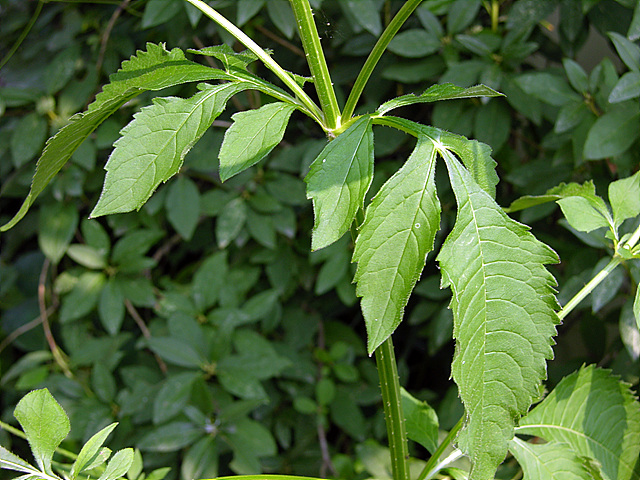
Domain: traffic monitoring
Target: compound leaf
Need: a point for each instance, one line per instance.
(338, 180)
(503, 306)
(153, 69)
(446, 91)
(597, 415)
(252, 136)
(397, 234)
(45, 424)
(550, 461)
(153, 146)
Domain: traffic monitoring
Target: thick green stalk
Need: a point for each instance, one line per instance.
(269, 62)
(394, 418)
(317, 62)
(373, 58)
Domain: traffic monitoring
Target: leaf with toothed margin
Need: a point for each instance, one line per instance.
(397, 234)
(504, 318)
(153, 69)
(152, 146)
(338, 180)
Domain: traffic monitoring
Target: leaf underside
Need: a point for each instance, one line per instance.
(338, 181)
(597, 415)
(504, 320)
(153, 146)
(153, 69)
(397, 234)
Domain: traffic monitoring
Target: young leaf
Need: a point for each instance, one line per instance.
(153, 69)
(446, 91)
(230, 59)
(584, 215)
(550, 461)
(338, 180)
(45, 424)
(118, 465)
(624, 196)
(597, 415)
(90, 451)
(504, 319)
(564, 190)
(252, 136)
(397, 234)
(153, 146)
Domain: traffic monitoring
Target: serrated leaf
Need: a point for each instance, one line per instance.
(338, 180)
(45, 424)
(613, 133)
(503, 305)
(229, 58)
(153, 69)
(550, 461)
(597, 415)
(392, 246)
(153, 146)
(252, 136)
(118, 465)
(446, 91)
(624, 196)
(91, 451)
(564, 190)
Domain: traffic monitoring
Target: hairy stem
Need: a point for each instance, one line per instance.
(394, 418)
(434, 465)
(372, 60)
(317, 62)
(269, 62)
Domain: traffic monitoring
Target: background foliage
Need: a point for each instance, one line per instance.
(202, 323)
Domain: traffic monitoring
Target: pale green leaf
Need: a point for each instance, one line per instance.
(10, 461)
(392, 246)
(613, 133)
(550, 461)
(91, 451)
(153, 69)
(624, 196)
(118, 465)
(564, 190)
(446, 91)
(597, 415)
(504, 320)
(45, 424)
(583, 215)
(421, 421)
(252, 136)
(153, 146)
(338, 180)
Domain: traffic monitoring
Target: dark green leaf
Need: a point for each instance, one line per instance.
(102, 383)
(414, 43)
(58, 223)
(338, 181)
(282, 16)
(173, 396)
(577, 76)
(91, 451)
(170, 437)
(614, 132)
(461, 14)
(230, 222)
(201, 459)
(392, 246)
(157, 12)
(175, 352)
(548, 88)
(87, 256)
(208, 280)
(252, 136)
(83, 297)
(628, 87)
(570, 116)
(629, 52)
(28, 138)
(246, 9)
(183, 206)
(365, 13)
(629, 332)
(111, 307)
(45, 424)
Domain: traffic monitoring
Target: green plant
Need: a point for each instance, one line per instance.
(473, 185)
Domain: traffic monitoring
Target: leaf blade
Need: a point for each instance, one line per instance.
(550, 461)
(504, 318)
(397, 234)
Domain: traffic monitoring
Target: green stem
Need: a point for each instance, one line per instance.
(394, 418)
(317, 62)
(372, 60)
(434, 465)
(269, 62)
(23, 35)
(19, 433)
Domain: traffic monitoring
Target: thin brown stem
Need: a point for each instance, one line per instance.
(58, 354)
(145, 331)
(107, 33)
